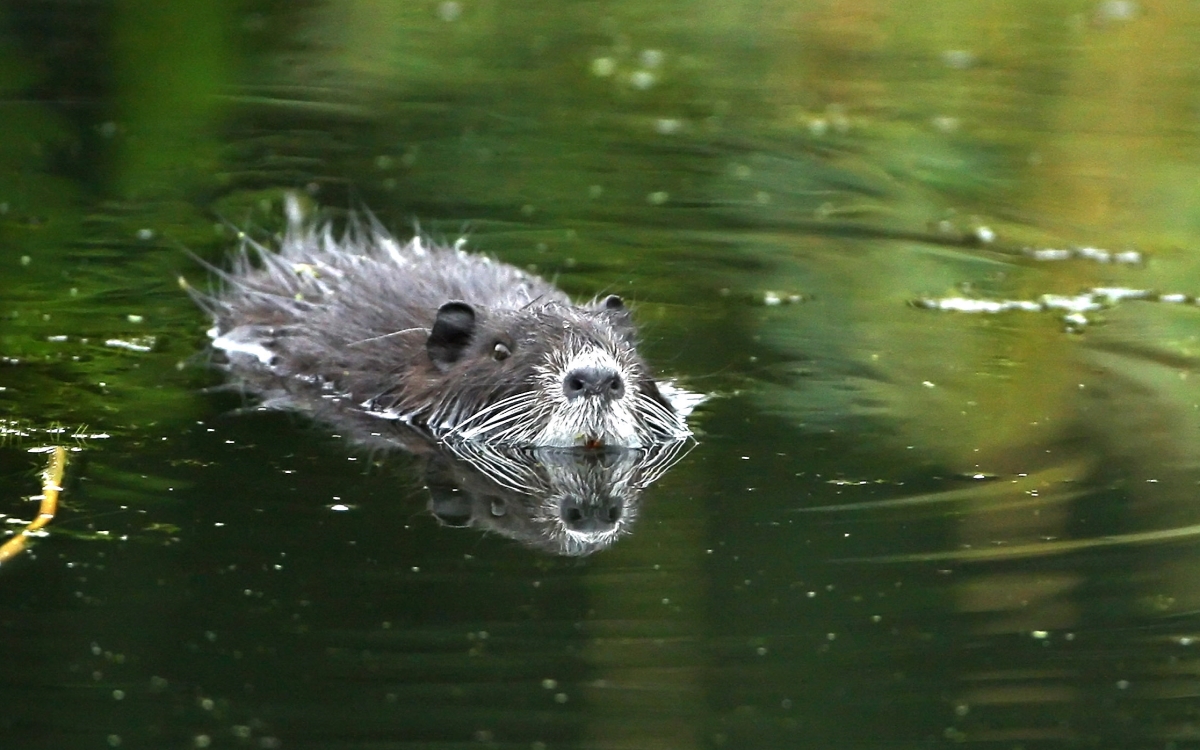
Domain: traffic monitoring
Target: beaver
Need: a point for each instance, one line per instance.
(454, 343)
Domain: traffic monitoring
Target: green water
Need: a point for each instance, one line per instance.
(900, 526)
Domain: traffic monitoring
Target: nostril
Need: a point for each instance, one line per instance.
(574, 386)
(616, 386)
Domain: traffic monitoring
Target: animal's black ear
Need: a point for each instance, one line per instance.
(615, 312)
(452, 331)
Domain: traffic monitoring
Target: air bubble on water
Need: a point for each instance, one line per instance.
(668, 125)
(958, 58)
(603, 67)
(642, 79)
(651, 58)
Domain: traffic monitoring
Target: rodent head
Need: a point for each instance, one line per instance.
(550, 374)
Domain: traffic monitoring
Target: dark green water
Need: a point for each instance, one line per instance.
(899, 527)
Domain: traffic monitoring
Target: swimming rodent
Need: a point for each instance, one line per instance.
(456, 344)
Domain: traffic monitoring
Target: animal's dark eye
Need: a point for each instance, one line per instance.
(613, 302)
(500, 351)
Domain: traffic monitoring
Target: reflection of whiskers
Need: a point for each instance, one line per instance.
(52, 476)
(512, 468)
(566, 501)
(659, 459)
(522, 469)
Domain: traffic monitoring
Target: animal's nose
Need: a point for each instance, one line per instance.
(593, 381)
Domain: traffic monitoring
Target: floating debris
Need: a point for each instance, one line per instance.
(968, 305)
(1076, 322)
(1080, 303)
(1075, 308)
(15, 429)
(984, 235)
(138, 344)
(1094, 254)
(1115, 294)
(772, 298)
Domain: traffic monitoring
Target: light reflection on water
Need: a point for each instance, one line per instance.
(900, 525)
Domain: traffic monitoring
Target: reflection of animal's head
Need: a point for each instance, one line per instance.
(547, 374)
(564, 502)
(591, 498)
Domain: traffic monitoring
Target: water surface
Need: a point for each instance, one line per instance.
(906, 521)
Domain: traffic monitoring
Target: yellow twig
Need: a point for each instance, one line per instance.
(52, 477)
